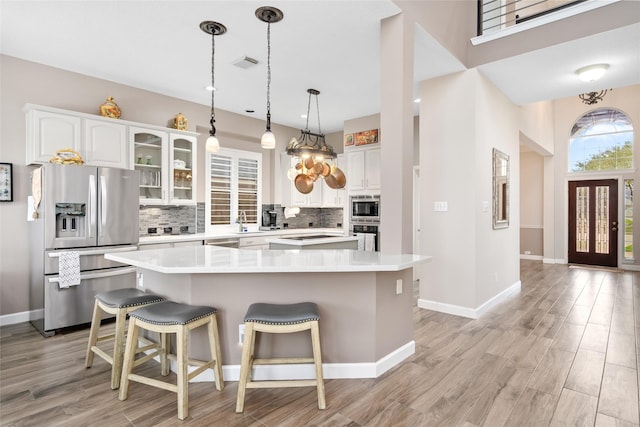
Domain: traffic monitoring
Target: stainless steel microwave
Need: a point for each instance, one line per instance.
(365, 208)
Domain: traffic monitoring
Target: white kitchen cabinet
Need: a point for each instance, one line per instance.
(364, 169)
(156, 153)
(105, 143)
(49, 131)
(100, 141)
(150, 148)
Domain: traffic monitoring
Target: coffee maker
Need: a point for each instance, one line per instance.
(269, 220)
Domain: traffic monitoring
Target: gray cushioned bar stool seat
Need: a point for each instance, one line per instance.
(279, 319)
(118, 302)
(165, 318)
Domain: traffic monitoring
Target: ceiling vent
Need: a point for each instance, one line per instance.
(245, 62)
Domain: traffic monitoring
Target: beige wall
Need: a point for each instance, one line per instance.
(27, 82)
(531, 203)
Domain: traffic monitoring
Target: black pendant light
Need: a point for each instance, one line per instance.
(269, 15)
(214, 29)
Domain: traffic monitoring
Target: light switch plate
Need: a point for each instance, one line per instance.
(440, 206)
(398, 286)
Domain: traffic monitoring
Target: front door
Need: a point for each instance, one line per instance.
(593, 222)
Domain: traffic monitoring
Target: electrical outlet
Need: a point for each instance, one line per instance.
(398, 286)
(241, 333)
(140, 280)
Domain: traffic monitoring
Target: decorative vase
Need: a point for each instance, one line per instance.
(180, 122)
(110, 109)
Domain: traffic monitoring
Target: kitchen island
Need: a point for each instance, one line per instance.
(365, 301)
(314, 241)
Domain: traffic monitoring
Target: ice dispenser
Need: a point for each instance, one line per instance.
(70, 219)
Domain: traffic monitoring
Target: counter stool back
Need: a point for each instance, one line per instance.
(280, 319)
(119, 302)
(165, 318)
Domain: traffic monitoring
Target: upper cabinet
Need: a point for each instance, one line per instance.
(364, 169)
(100, 141)
(105, 143)
(166, 162)
(165, 158)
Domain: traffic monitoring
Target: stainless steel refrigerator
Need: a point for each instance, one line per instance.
(83, 212)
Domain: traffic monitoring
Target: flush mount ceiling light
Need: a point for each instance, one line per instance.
(214, 29)
(269, 15)
(312, 149)
(591, 73)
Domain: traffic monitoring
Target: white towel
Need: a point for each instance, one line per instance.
(68, 269)
(370, 242)
(360, 237)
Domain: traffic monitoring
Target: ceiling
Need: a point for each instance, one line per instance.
(332, 46)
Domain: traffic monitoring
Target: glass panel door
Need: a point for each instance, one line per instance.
(593, 222)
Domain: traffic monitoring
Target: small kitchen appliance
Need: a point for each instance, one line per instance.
(269, 220)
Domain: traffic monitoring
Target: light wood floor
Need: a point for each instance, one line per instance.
(564, 351)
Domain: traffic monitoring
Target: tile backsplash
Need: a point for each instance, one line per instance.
(193, 217)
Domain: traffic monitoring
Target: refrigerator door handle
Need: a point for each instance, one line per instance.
(92, 205)
(103, 204)
(112, 272)
(98, 251)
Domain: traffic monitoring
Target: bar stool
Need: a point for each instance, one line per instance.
(279, 319)
(170, 317)
(119, 302)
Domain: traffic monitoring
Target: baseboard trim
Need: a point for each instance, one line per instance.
(553, 261)
(471, 313)
(330, 371)
(532, 257)
(24, 316)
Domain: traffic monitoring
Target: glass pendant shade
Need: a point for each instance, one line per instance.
(212, 145)
(268, 140)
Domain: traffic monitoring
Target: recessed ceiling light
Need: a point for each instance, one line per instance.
(591, 73)
(303, 116)
(417, 100)
(209, 88)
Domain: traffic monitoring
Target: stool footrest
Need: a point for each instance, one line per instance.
(105, 337)
(283, 360)
(153, 382)
(281, 383)
(202, 366)
(102, 354)
(145, 358)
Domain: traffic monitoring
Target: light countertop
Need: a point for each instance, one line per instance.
(215, 259)
(171, 238)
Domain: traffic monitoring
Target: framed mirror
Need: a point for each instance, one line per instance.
(500, 189)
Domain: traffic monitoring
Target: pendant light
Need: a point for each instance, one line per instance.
(214, 29)
(268, 14)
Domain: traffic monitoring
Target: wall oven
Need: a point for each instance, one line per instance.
(365, 209)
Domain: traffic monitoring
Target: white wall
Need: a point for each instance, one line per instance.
(466, 117)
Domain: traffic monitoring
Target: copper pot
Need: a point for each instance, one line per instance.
(326, 169)
(341, 179)
(318, 168)
(308, 163)
(331, 181)
(303, 183)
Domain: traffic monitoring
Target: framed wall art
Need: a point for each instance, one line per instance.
(348, 139)
(6, 182)
(367, 137)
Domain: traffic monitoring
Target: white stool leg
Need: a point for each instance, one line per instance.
(182, 344)
(245, 365)
(93, 334)
(129, 355)
(118, 347)
(317, 360)
(214, 344)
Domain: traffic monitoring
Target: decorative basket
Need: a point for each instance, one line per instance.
(67, 156)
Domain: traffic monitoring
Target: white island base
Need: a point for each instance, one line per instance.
(365, 301)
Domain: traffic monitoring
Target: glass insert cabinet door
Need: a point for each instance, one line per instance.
(593, 222)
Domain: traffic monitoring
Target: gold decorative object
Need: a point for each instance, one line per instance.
(67, 156)
(110, 109)
(180, 122)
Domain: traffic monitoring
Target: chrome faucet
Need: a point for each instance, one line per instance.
(242, 218)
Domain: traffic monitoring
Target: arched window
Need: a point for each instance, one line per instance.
(601, 140)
